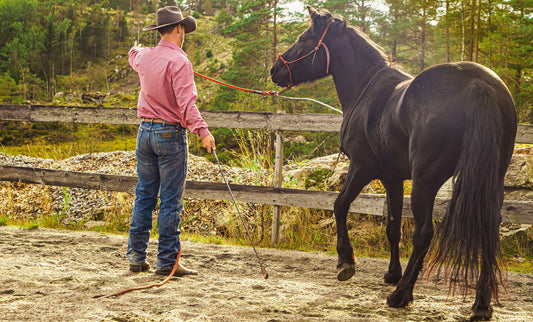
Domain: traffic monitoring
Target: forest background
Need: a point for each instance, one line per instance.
(74, 52)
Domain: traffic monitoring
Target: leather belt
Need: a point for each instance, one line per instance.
(161, 121)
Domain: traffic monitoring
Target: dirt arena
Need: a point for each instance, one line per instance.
(52, 275)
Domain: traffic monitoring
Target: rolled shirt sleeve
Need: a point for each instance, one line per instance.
(186, 94)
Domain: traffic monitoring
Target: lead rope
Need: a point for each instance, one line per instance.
(263, 270)
(287, 63)
(270, 92)
(146, 286)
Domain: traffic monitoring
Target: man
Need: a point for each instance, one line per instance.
(167, 108)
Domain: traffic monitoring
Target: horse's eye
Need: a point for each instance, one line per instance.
(304, 38)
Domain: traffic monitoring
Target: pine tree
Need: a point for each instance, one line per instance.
(251, 50)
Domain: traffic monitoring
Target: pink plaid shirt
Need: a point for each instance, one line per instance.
(168, 91)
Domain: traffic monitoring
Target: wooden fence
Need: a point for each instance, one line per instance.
(512, 211)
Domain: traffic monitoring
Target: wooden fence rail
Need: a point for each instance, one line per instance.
(215, 119)
(512, 211)
(372, 204)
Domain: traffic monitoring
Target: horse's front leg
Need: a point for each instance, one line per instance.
(394, 222)
(356, 179)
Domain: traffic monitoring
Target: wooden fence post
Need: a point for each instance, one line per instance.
(278, 179)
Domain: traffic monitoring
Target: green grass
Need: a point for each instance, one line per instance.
(60, 141)
(69, 149)
(210, 239)
(4, 220)
(524, 266)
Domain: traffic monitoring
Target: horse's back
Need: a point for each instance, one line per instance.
(452, 82)
(441, 104)
(438, 97)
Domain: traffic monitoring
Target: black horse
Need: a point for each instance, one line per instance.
(454, 119)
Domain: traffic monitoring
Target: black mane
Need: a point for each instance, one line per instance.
(357, 37)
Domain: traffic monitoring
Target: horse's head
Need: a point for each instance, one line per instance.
(308, 58)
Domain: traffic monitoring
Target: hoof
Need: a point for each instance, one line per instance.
(481, 314)
(399, 299)
(392, 278)
(345, 271)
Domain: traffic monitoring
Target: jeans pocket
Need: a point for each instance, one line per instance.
(168, 141)
(138, 142)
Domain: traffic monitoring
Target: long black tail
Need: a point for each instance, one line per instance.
(469, 232)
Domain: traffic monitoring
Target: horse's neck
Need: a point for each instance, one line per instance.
(352, 75)
(352, 85)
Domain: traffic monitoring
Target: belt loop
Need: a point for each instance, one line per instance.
(164, 123)
(151, 123)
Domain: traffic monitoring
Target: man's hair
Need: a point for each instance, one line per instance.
(167, 29)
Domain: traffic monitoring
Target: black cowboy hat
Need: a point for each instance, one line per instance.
(172, 15)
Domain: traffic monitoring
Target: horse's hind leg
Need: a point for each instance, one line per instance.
(394, 222)
(422, 199)
(356, 179)
(482, 310)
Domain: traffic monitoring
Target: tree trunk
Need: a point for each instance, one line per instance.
(362, 9)
(478, 27)
(394, 48)
(472, 30)
(447, 32)
(423, 37)
(275, 32)
(463, 37)
(489, 28)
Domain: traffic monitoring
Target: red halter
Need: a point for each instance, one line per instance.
(314, 51)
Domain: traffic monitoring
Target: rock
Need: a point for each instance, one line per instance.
(336, 181)
(295, 139)
(298, 174)
(518, 179)
(79, 205)
(520, 172)
(520, 194)
(524, 150)
(446, 190)
(200, 216)
(512, 235)
(96, 98)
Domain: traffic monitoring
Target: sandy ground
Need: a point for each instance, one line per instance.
(52, 275)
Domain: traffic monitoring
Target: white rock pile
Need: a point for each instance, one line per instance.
(74, 204)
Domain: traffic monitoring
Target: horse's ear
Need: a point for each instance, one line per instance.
(312, 11)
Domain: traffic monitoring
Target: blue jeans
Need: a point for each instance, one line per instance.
(162, 155)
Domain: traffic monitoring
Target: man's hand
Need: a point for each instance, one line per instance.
(209, 143)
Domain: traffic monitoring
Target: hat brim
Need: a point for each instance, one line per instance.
(188, 22)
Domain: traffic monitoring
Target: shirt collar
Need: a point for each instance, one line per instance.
(171, 45)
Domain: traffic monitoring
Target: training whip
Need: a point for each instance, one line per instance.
(263, 270)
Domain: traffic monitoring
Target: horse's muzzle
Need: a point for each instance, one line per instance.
(279, 74)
